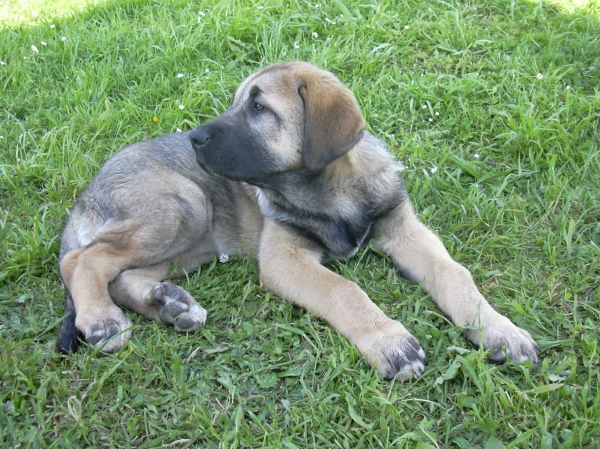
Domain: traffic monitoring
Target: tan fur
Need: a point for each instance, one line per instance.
(333, 121)
(289, 175)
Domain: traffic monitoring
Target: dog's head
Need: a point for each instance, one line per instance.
(286, 117)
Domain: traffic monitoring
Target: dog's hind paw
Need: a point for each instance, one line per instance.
(109, 332)
(178, 308)
(395, 353)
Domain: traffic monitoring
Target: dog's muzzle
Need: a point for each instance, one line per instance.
(199, 137)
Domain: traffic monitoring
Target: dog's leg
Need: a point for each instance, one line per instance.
(165, 232)
(142, 291)
(290, 267)
(419, 255)
(86, 273)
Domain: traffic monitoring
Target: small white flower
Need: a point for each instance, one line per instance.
(317, 5)
(476, 155)
(406, 27)
(52, 26)
(178, 130)
(540, 76)
(64, 39)
(315, 35)
(180, 75)
(201, 13)
(34, 49)
(424, 106)
(181, 107)
(568, 87)
(223, 258)
(206, 71)
(1, 137)
(433, 170)
(430, 120)
(437, 114)
(261, 7)
(296, 46)
(43, 43)
(2, 63)
(327, 20)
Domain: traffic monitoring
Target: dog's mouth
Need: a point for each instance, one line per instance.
(223, 150)
(201, 141)
(222, 169)
(216, 171)
(222, 174)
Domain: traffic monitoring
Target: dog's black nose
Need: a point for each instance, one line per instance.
(199, 137)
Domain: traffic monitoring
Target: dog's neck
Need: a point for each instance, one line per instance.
(340, 234)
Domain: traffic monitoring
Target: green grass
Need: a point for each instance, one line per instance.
(494, 108)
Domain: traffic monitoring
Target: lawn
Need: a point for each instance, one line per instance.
(493, 108)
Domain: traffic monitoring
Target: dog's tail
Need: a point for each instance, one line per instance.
(69, 338)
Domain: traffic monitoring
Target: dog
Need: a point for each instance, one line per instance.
(290, 171)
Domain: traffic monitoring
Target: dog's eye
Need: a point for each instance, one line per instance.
(257, 106)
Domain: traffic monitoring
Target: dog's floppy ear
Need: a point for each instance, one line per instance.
(333, 121)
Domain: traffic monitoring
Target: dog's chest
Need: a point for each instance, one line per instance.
(340, 236)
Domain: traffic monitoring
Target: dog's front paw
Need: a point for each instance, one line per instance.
(504, 339)
(106, 328)
(394, 352)
(178, 308)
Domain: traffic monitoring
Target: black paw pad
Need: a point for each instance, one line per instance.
(100, 333)
(405, 361)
